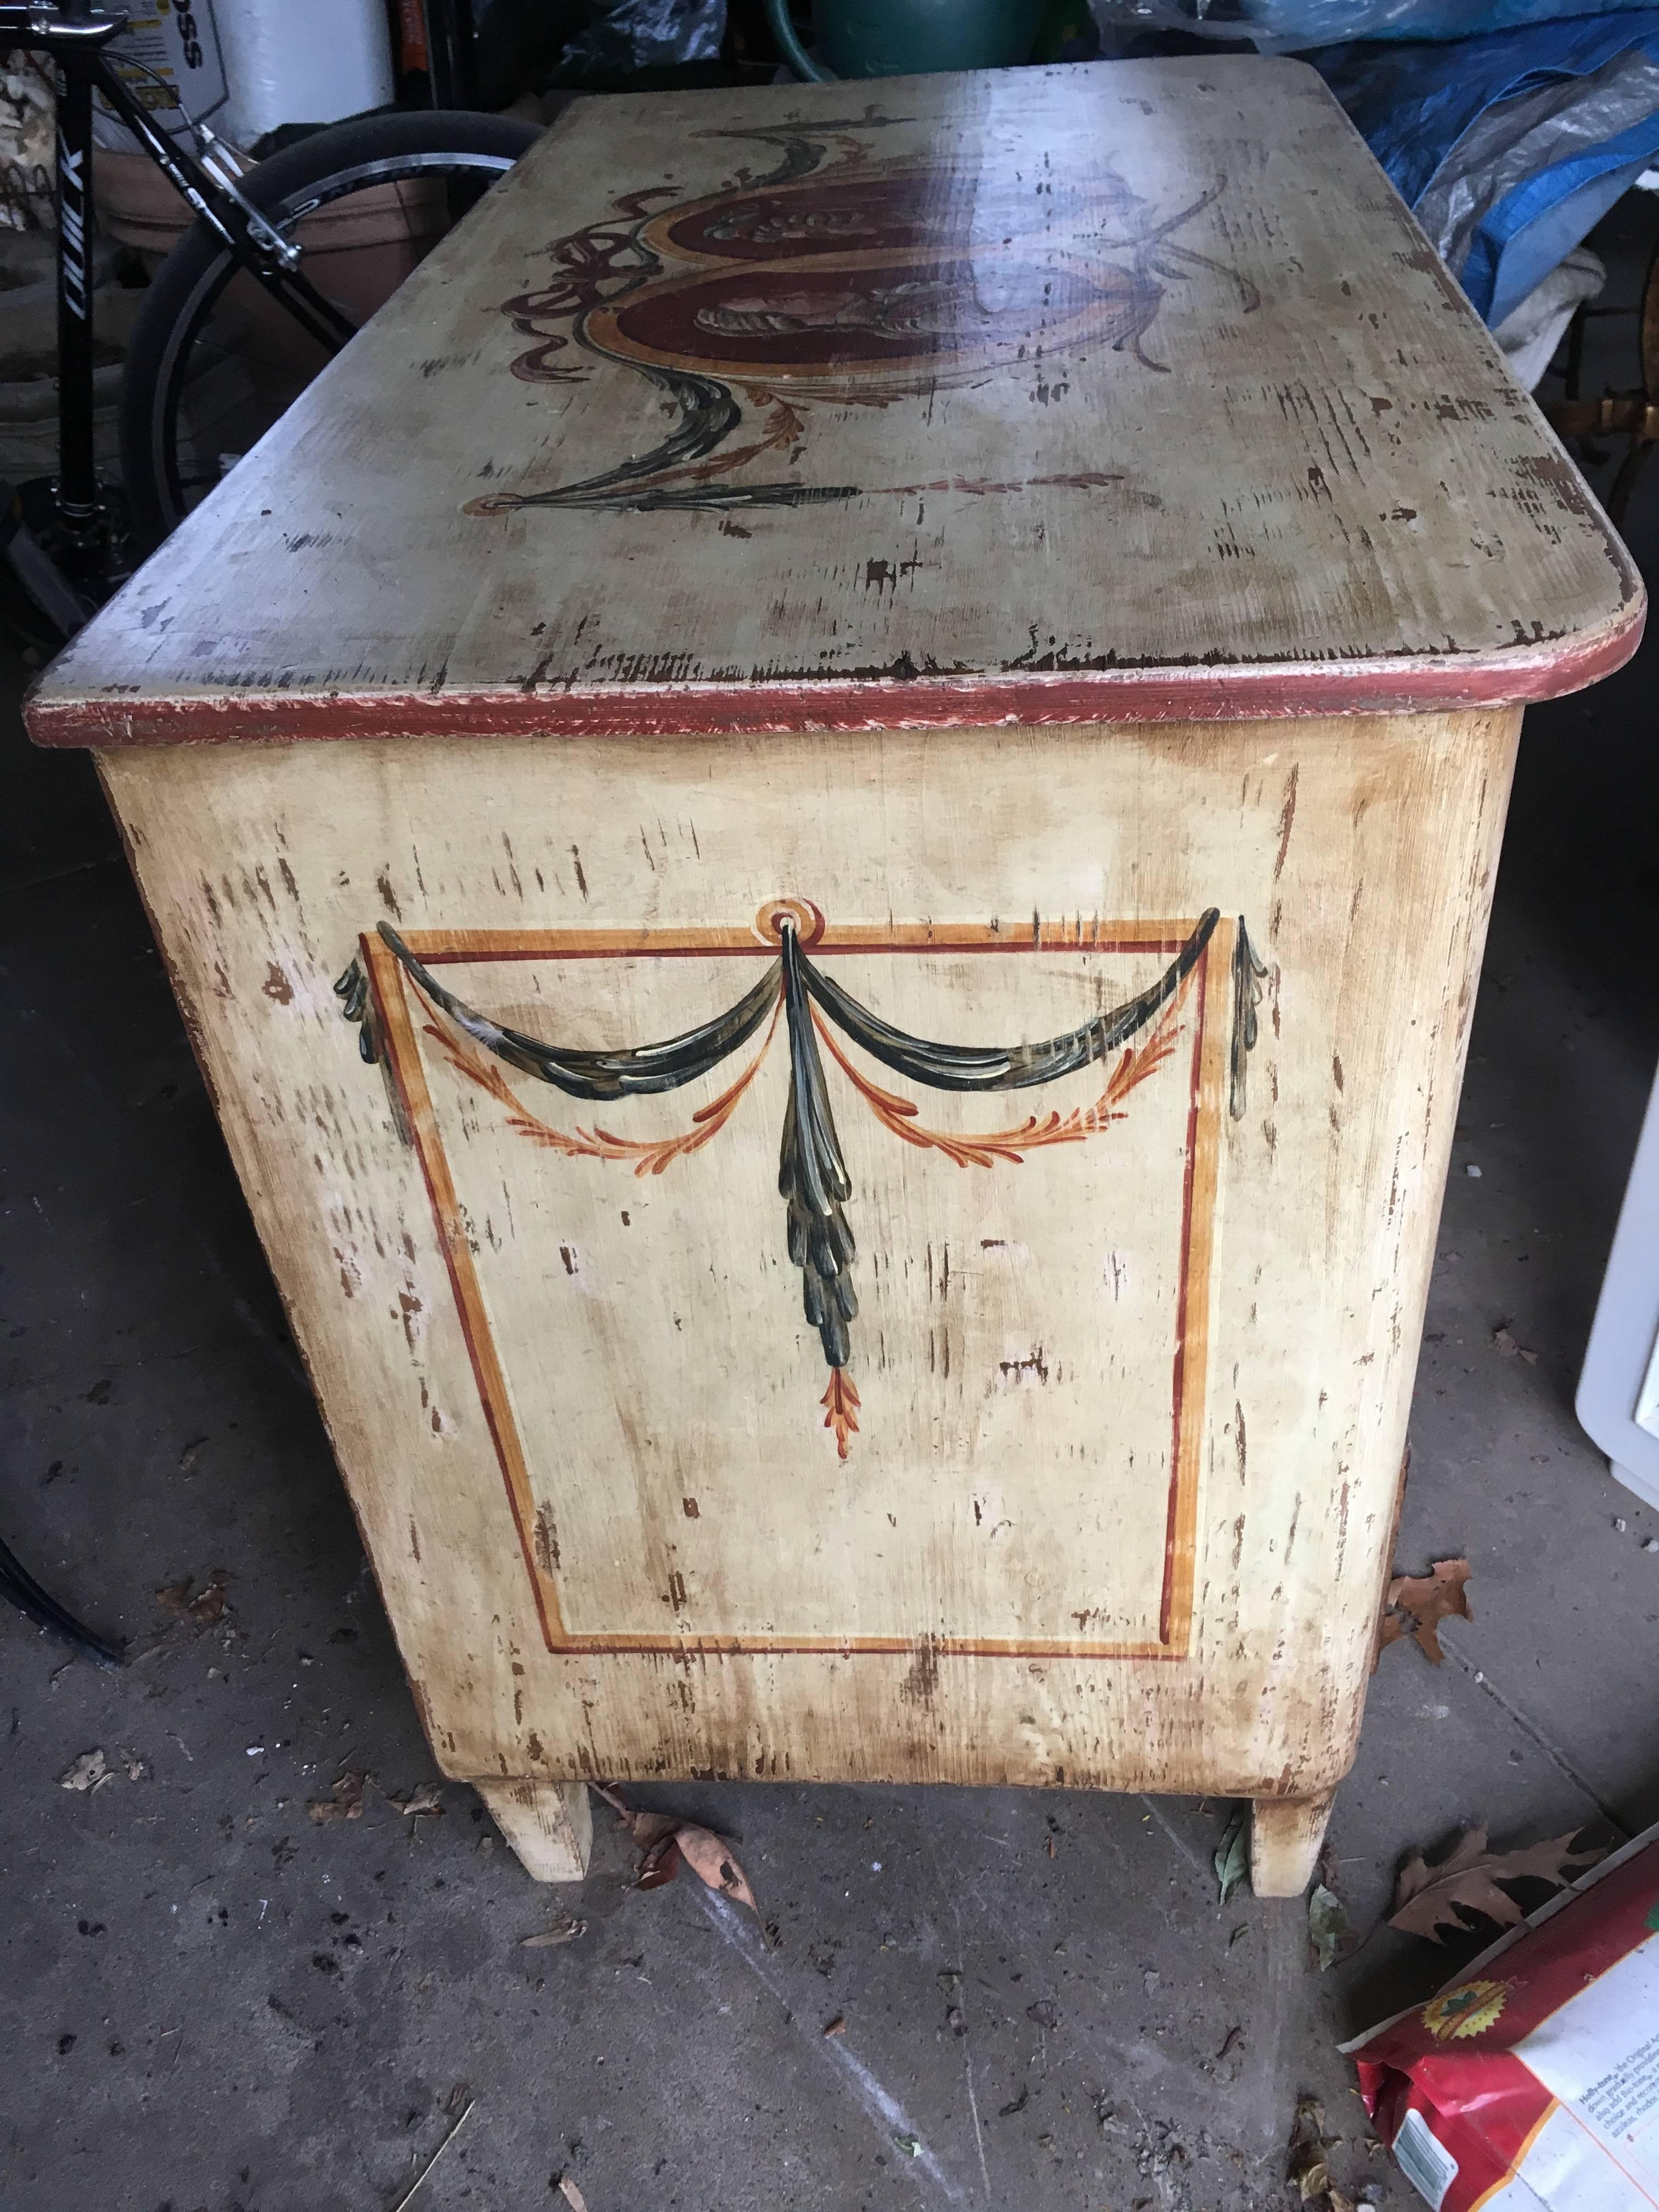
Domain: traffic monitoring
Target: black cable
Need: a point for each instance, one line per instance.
(43, 1609)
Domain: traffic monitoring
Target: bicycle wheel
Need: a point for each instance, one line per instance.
(214, 358)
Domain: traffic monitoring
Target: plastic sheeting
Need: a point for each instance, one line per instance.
(1289, 26)
(636, 35)
(1509, 148)
(1299, 24)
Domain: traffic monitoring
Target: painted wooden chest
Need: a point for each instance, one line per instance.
(825, 819)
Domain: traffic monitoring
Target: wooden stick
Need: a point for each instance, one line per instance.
(436, 2155)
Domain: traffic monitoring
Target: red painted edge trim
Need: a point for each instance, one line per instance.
(1226, 691)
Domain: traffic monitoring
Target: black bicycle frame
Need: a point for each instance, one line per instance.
(77, 471)
(75, 35)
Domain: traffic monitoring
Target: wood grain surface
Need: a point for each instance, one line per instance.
(1128, 1404)
(1118, 391)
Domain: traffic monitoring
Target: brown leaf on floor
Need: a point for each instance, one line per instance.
(565, 1930)
(1233, 2041)
(1509, 1349)
(650, 1829)
(837, 2026)
(1417, 1602)
(658, 1867)
(708, 1856)
(344, 1803)
(572, 2196)
(427, 1799)
(1430, 1898)
(666, 1842)
(203, 1610)
(88, 1772)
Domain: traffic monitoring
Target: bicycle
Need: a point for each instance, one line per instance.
(203, 308)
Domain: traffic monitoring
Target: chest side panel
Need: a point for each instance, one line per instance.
(902, 1260)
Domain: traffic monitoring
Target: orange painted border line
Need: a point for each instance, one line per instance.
(386, 979)
(435, 947)
(1192, 1352)
(387, 984)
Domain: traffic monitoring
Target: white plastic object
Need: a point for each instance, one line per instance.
(1530, 334)
(1618, 1401)
(302, 61)
(176, 42)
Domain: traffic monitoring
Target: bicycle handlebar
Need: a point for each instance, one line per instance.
(75, 23)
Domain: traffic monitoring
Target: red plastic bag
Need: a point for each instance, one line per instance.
(1531, 2084)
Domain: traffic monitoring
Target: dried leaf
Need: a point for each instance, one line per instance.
(425, 1799)
(650, 1829)
(345, 1802)
(565, 1930)
(1417, 1602)
(708, 1856)
(1430, 1898)
(572, 2196)
(837, 2026)
(665, 1841)
(89, 1772)
(659, 1865)
(1509, 1349)
(203, 1610)
(1314, 2178)
(1306, 2166)
(1328, 1927)
(1232, 1857)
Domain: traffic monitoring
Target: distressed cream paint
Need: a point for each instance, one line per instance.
(974, 1593)
(998, 644)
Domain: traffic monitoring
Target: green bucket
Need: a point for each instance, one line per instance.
(908, 37)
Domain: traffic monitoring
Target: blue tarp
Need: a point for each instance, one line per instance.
(1414, 101)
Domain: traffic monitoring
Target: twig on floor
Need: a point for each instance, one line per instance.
(460, 2123)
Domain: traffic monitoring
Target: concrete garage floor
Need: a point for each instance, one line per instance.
(209, 2003)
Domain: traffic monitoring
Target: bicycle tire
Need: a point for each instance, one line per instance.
(317, 172)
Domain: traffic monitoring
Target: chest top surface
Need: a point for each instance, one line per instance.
(1124, 391)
